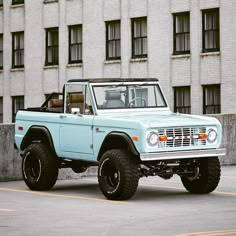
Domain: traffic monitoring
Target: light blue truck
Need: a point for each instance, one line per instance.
(125, 127)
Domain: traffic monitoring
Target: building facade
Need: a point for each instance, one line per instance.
(189, 45)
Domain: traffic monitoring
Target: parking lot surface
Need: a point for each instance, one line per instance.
(160, 207)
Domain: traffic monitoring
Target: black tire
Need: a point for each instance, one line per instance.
(118, 175)
(39, 167)
(207, 179)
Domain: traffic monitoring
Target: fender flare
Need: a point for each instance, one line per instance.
(42, 130)
(124, 138)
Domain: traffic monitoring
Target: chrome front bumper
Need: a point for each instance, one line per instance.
(182, 154)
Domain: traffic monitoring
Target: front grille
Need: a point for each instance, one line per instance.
(182, 137)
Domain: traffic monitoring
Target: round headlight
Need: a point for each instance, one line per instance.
(211, 136)
(152, 138)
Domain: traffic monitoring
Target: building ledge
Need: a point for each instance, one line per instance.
(181, 56)
(51, 67)
(207, 54)
(74, 65)
(17, 5)
(107, 62)
(1, 70)
(17, 69)
(49, 1)
(139, 59)
(1, 7)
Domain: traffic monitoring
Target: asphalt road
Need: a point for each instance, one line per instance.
(160, 207)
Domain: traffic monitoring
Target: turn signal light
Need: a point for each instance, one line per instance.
(202, 136)
(135, 138)
(163, 138)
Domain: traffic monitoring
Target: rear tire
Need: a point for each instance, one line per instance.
(118, 175)
(39, 167)
(207, 179)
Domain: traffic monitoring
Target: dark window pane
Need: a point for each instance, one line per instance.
(210, 30)
(14, 2)
(182, 100)
(1, 110)
(75, 44)
(17, 104)
(211, 99)
(181, 33)
(112, 40)
(18, 50)
(139, 37)
(1, 51)
(52, 42)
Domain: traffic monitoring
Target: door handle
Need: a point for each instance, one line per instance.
(63, 116)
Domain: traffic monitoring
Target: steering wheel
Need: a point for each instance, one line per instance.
(138, 98)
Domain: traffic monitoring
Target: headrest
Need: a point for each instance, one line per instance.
(56, 103)
(113, 95)
(76, 98)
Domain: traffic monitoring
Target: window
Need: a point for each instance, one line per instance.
(51, 46)
(210, 30)
(182, 99)
(211, 99)
(181, 33)
(1, 110)
(15, 2)
(113, 40)
(139, 37)
(75, 44)
(18, 50)
(1, 51)
(1, 3)
(17, 104)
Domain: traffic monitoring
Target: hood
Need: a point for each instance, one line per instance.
(163, 119)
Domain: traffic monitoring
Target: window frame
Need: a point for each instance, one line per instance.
(116, 40)
(133, 21)
(14, 111)
(17, 2)
(216, 107)
(55, 59)
(185, 109)
(216, 12)
(175, 34)
(18, 49)
(70, 28)
(1, 51)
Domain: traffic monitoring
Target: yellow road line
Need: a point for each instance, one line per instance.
(179, 188)
(229, 177)
(7, 210)
(210, 233)
(172, 187)
(62, 195)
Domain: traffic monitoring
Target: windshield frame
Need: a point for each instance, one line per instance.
(121, 109)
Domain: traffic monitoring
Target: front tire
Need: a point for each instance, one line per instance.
(39, 167)
(118, 175)
(207, 178)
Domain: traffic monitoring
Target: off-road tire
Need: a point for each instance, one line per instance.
(208, 177)
(39, 167)
(118, 175)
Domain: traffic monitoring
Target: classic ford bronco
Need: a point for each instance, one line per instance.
(126, 128)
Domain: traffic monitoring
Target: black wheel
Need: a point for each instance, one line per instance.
(39, 167)
(206, 178)
(118, 175)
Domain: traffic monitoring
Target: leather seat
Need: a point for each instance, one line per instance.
(113, 100)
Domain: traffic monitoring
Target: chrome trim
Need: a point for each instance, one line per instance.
(182, 154)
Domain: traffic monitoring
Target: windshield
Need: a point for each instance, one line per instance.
(127, 96)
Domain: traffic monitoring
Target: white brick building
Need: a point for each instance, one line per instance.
(187, 44)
